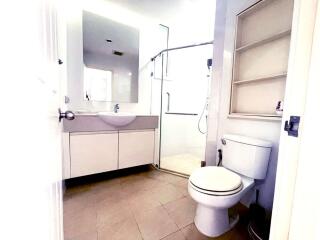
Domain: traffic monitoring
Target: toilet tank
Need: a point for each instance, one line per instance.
(245, 155)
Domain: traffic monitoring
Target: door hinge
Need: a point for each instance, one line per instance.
(292, 126)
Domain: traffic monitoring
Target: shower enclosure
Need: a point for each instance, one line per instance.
(180, 91)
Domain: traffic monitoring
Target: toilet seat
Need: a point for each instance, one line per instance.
(217, 181)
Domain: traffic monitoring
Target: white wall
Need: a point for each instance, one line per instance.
(268, 130)
(192, 23)
(151, 40)
(214, 98)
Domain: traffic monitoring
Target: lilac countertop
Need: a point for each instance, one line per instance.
(92, 123)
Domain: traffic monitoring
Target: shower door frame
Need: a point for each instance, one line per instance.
(161, 54)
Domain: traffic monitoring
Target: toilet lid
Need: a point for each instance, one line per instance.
(216, 179)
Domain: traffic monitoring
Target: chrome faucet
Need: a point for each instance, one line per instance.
(116, 108)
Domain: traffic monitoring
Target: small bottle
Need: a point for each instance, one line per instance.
(279, 108)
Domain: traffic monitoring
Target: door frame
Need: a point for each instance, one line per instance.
(294, 165)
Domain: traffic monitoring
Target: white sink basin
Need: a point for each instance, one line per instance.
(117, 119)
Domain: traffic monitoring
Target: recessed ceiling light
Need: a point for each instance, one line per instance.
(109, 40)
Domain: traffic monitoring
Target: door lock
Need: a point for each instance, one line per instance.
(292, 126)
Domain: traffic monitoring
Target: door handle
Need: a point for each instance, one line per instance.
(292, 126)
(69, 115)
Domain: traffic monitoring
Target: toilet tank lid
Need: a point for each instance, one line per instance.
(247, 140)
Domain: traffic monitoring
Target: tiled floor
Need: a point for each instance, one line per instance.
(181, 163)
(146, 204)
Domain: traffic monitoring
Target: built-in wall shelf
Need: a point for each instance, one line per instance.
(260, 59)
(264, 41)
(263, 117)
(282, 75)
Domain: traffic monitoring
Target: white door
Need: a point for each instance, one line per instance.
(290, 147)
(305, 220)
(31, 197)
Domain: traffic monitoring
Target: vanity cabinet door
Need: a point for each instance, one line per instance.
(93, 153)
(136, 148)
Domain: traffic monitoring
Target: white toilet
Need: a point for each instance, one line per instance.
(216, 189)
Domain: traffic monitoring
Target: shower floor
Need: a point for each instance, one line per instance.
(181, 163)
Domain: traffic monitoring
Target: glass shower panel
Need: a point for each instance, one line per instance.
(184, 94)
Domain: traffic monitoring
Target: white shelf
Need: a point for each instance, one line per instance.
(282, 75)
(264, 41)
(265, 117)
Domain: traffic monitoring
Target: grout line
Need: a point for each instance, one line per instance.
(134, 217)
(172, 173)
(97, 236)
(173, 233)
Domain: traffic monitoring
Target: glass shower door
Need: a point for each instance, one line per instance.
(184, 91)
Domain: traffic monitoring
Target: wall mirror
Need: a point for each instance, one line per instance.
(110, 60)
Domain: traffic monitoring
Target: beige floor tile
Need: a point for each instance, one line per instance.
(175, 236)
(113, 198)
(176, 180)
(109, 192)
(85, 221)
(125, 230)
(167, 193)
(181, 203)
(134, 186)
(142, 201)
(183, 190)
(191, 233)
(112, 211)
(76, 203)
(148, 173)
(71, 191)
(150, 183)
(131, 187)
(238, 233)
(86, 236)
(182, 211)
(182, 182)
(154, 174)
(131, 178)
(105, 184)
(166, 177)
(155, 224)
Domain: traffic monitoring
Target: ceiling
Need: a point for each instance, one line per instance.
(97, 29)
(157, 9)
